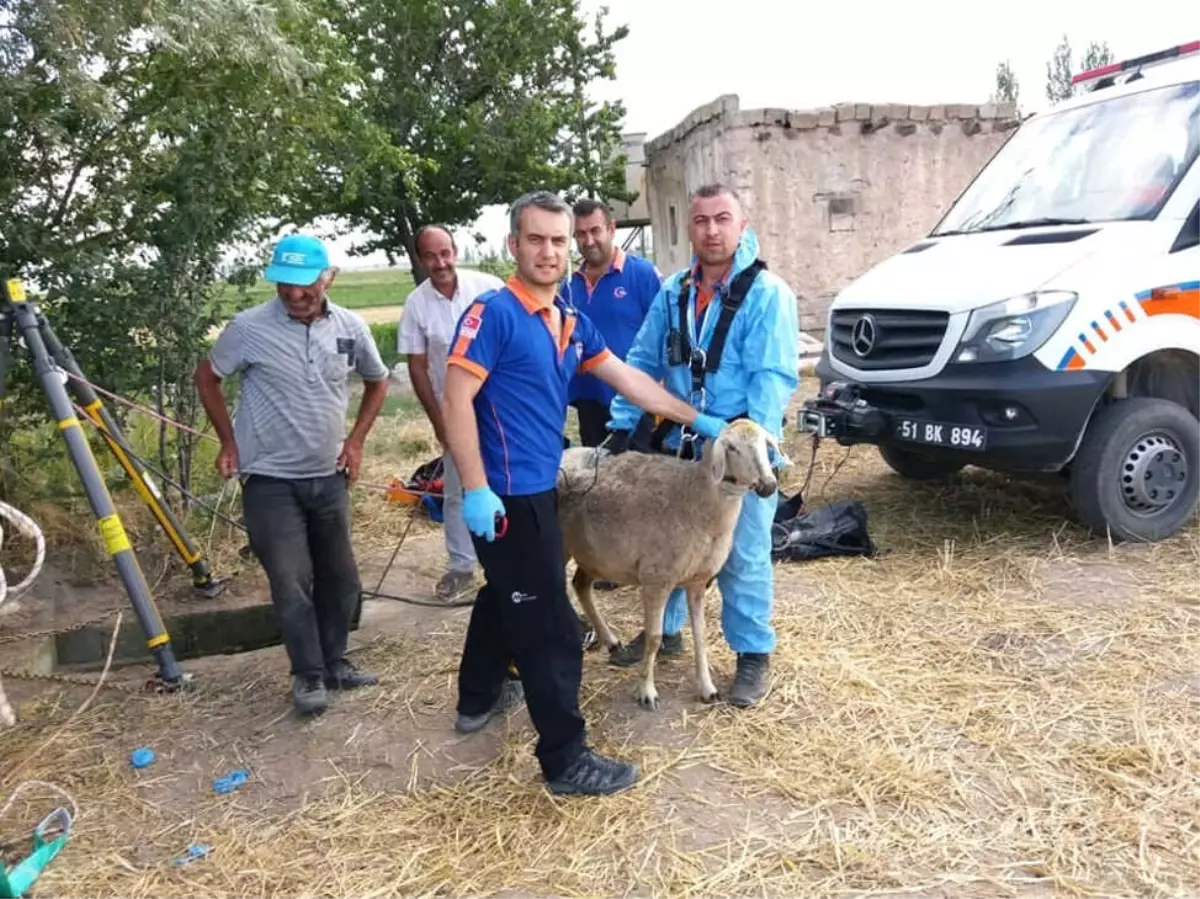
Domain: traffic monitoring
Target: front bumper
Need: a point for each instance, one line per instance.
(1013, 416)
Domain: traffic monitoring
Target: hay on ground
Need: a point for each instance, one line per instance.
(996, 705)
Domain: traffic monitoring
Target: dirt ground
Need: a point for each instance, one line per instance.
(996, 704)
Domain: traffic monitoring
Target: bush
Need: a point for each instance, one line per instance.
(385, 334)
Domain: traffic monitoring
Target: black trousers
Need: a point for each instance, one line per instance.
(523, 614)
(300, 531)
(593, 423)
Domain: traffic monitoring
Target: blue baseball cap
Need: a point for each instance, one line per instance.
(298, 259)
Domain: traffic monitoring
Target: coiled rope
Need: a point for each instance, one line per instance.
(25, 525)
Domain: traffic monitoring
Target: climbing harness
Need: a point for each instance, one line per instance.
(701, 362)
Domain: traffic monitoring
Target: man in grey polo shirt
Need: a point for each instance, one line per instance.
(295, 353)
(427, 325)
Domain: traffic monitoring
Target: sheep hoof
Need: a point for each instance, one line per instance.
(648, 699)
(711, 697)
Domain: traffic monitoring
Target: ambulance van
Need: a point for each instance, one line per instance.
(1050, 322)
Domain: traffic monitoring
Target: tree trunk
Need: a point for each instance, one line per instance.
(405, 231)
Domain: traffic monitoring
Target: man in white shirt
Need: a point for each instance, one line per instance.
(427, 325)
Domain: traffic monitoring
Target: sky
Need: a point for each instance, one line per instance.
(681, 54)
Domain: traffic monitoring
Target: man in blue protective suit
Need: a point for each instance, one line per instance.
(729, 361)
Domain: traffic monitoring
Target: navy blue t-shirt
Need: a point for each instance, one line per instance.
(617, 305)
(504, 339)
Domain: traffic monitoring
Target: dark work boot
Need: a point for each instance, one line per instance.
(632, 652)
(308, 695)
(344, 676)
(510, 695)
(750, 679)
(594, 775)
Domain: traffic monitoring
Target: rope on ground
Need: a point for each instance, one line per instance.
(28, 527)
(25, 525)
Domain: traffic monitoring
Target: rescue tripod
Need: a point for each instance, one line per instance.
(50, 358)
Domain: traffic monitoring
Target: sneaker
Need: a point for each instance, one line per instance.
(344, 676)
(308, 695)
(594, 775)
(511, 694)
(750, 679)
(632, 652)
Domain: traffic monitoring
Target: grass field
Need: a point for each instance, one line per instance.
(351, 289)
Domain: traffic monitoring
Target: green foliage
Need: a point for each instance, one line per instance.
(488, 96)
(1059, 69)
(145, 141)
(353, 290)
(386, 336)
(1096, 55)
(1058, 72)
(500, 266)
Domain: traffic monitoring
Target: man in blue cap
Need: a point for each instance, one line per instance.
(288, 445)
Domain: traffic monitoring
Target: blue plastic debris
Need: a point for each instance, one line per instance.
(231, 781)
(142, 757)
(194, 852)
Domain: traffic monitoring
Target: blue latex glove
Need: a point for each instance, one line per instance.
(708, 426)
(481, 508)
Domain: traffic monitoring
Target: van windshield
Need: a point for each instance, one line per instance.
(1111, 160)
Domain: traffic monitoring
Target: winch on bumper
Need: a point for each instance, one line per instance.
(1009, 416)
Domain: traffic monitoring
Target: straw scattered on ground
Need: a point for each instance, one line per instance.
(996, 705)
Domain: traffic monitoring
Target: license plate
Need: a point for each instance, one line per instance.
(936, 433)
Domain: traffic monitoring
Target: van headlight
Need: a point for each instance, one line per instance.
(1014, 327)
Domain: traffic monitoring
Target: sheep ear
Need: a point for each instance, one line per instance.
(716, 451)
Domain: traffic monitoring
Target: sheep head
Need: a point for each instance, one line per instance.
(738, 458)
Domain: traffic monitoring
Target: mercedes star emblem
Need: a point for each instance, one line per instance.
(862, 337)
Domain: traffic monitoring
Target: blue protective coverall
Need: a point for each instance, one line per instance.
(758, 374)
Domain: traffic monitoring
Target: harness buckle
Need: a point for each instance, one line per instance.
(686, 438)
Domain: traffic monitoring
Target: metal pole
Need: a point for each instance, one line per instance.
(111, 530)
(91, 404)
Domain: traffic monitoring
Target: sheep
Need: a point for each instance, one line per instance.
(673, 529)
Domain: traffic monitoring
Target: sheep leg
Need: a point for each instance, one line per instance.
(704, 684)
(582, 582)
(654, 603)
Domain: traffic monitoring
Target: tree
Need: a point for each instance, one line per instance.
(1096, 55)
(139, 149)
(1007, 89)
(488, 96)
(590, 149)
(1058, 72)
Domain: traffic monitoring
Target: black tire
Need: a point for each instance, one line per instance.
(912, 465)
(1132, 449)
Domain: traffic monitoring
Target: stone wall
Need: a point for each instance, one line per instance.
(830, 191)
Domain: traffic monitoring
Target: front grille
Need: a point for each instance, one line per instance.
(902, 338)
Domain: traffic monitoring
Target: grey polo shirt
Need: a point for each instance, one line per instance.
(290, 420)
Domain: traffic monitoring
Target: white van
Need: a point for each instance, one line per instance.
(1051, 321)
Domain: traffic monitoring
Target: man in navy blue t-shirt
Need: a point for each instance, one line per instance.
(614, 289)
(505, 401)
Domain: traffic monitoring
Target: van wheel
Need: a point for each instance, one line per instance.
(1137, 472)
(912, 465)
